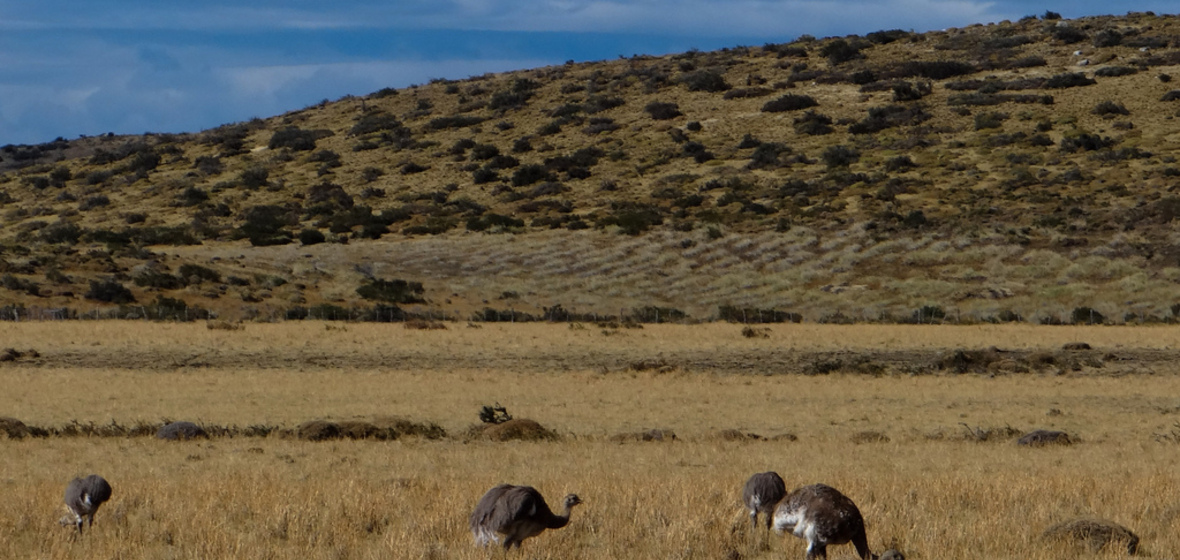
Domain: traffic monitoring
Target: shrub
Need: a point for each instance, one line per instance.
(766, 155)
(95, 201)
(1171, 95)
(530, 174)
(293, 138)
(522, 145)
(254, 177)
(704, 80)
(454, 121)
(1068, 34)
(484, 175)
(263, 225)
(1085, 142)
(1069, 80)
(109, 291)
(899, 163)
(1110, 108)
(392, 291)
(1107, 38)
(61, 232)
(886, 37)
(311, 237)
(489, 221)
(1114, 71)
(789, 102)
(905, 91)
(150, 277)
(840, 156)
(935, 70)
(840, 51)
(985, 121)
(662, 111)
(1086, 316)
(813, 124)
(191, 272)
(881, 118)
(374, 122)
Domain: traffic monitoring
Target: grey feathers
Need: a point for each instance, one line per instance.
(515, 513)
(84, 496)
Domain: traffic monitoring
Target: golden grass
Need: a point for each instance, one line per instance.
(929, 490)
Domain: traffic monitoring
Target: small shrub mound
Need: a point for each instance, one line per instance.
(737, 435)
(1040, 438)
(517, 429)
(318, 430)
(1094, 534)
(648, 435)
(180, 431)
(869, 436)
(13, 428)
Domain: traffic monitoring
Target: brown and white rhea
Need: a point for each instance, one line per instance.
(823, 516)
(83, 498)
(510, 514)
(761, 494)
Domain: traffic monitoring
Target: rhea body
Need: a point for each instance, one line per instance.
(761, 494)
(84, 496)
(823, 516)
(509, 514)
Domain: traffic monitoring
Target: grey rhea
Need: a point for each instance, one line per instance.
(510, 514)
(84, 496)
(761, 493)
(823, 516)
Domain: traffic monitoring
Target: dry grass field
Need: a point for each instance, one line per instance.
(927, 486)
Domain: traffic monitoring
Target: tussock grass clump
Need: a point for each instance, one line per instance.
(13, 428)
(1041, 438)
(736, 435)
(869, 436)
(656, 434)
(517, 429)
(1094, 534)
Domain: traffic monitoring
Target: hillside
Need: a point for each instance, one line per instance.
(1021, 170)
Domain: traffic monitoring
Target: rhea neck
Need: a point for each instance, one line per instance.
(559, 521)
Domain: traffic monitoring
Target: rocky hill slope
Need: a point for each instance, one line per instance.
(1021, 170)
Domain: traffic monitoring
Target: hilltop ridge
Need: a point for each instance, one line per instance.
(1013, 171)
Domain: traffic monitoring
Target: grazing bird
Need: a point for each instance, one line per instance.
(84, 496)
(1096, 534)
(823, 516)
(516, 513)
(762, 492)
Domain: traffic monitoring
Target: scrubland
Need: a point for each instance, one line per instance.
(923, 476)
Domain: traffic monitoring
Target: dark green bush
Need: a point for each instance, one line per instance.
(489, 221)
(294, 138)
(1110, 108)
(109, 291)
(813, 124)
(1115, 71)
(704, 80)
(195, 272)
(392, 291)
(1086, 316)
(310, 237)
(840, 156)
(530, 174)
(789, 102)
(1069, 80)
(662, 111)
(840, 51)
(454, 121)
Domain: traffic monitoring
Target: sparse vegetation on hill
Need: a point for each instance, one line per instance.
(1023, 167)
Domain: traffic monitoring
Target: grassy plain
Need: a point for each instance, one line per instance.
(930, 489)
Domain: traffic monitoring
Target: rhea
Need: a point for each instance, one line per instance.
(761, 493)
(515, 513)
(823, 516)
(83, 498)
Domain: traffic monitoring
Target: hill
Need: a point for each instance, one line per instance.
(1015, 171)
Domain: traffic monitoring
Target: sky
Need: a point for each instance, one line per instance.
(86, 67)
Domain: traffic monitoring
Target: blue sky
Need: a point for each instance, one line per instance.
(87, 67)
